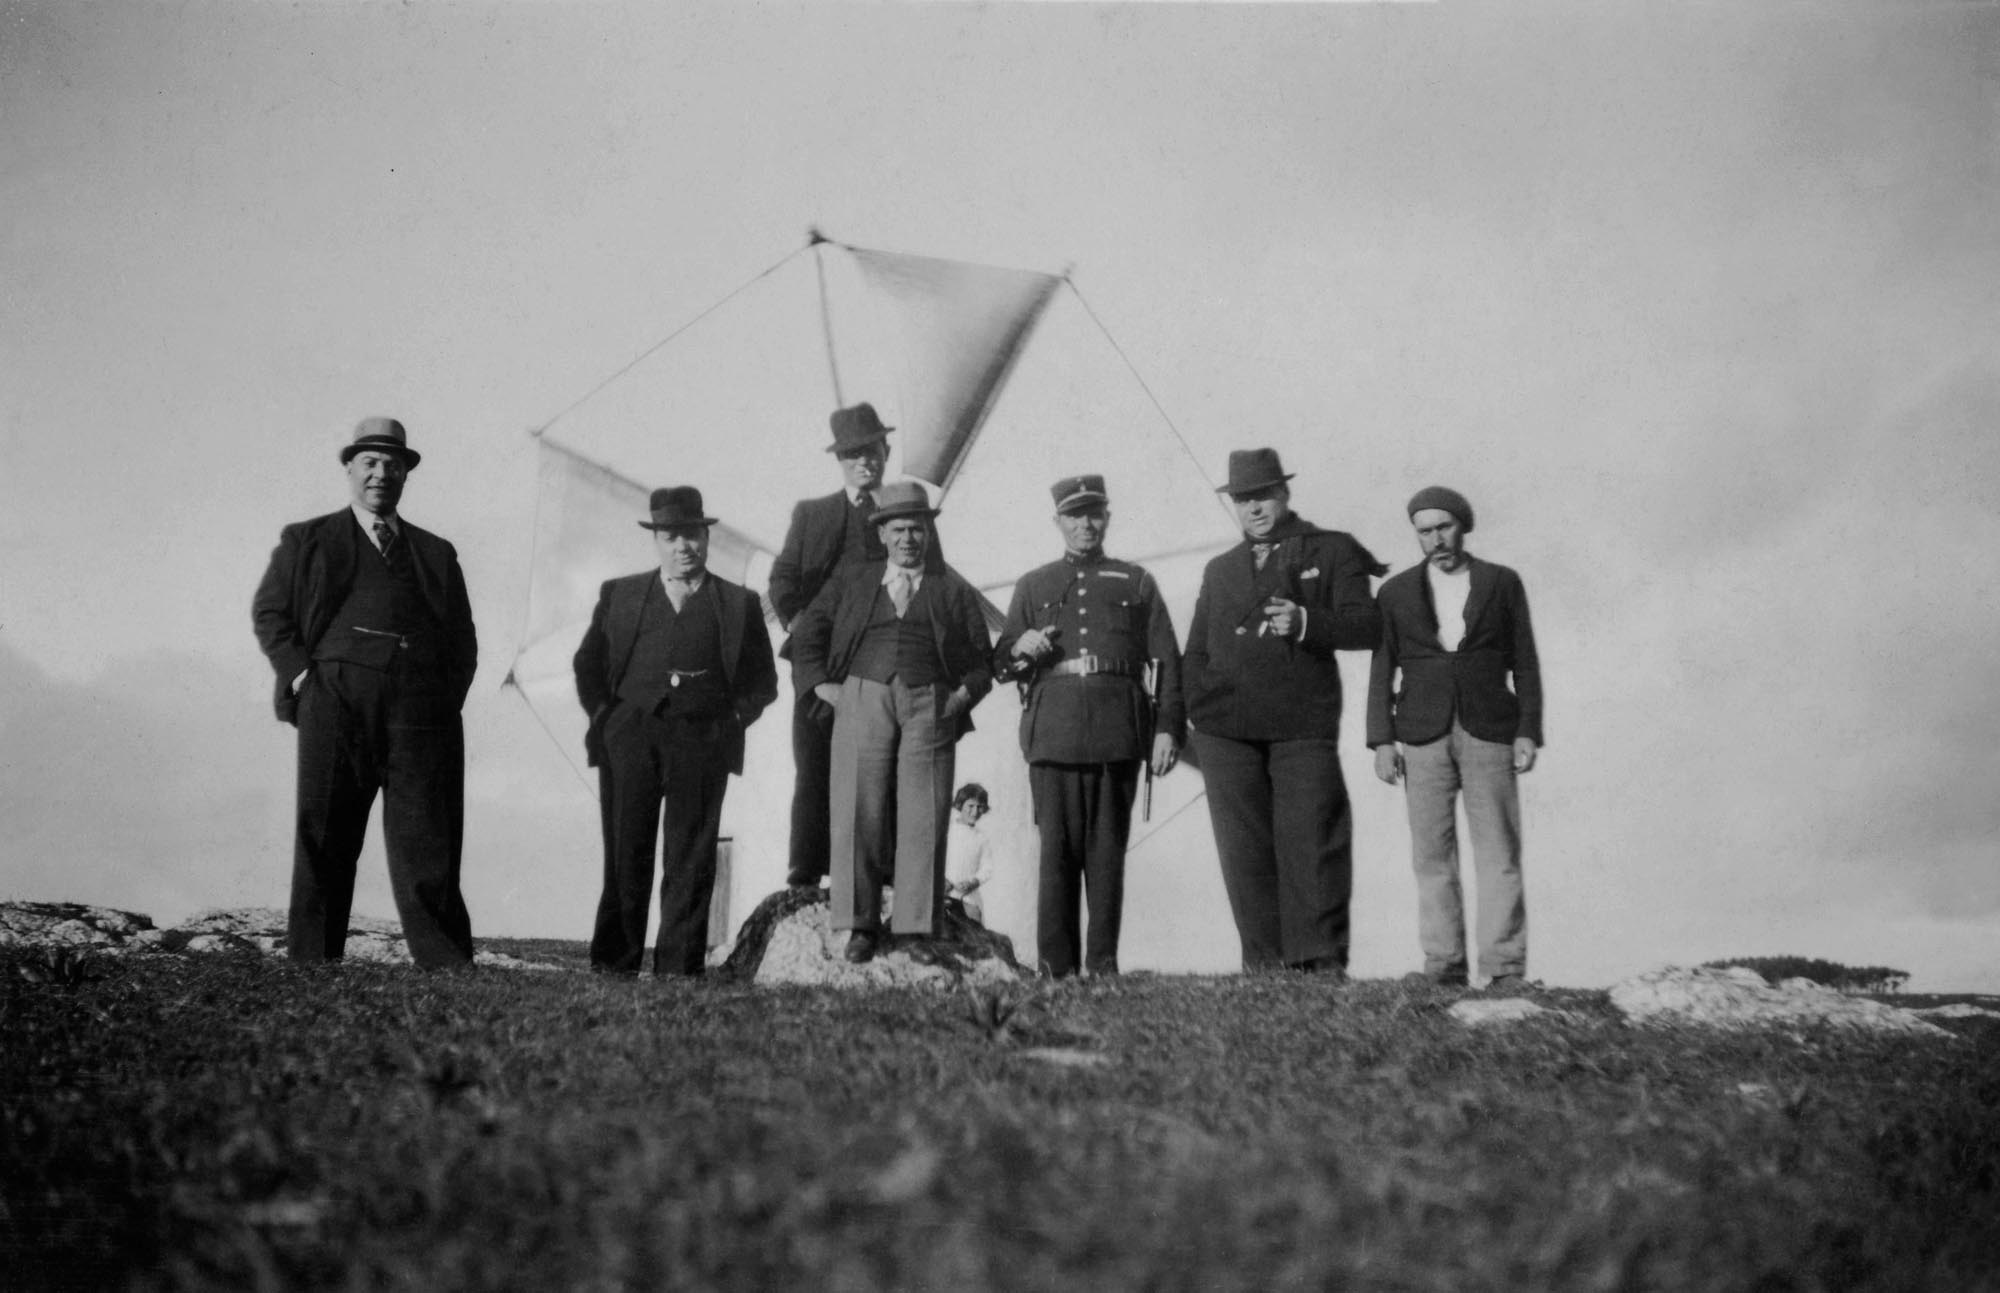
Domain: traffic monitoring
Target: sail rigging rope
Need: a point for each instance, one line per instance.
(653, 349)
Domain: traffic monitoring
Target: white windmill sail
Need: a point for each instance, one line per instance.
(737, 404)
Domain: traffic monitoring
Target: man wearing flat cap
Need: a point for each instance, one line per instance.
(1443, 719)
(1263, 697)
(900, 651)
(1089, 639)
(365, 621)
(825, 534)
(675, 666)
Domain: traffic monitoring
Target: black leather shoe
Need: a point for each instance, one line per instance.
(860, 946)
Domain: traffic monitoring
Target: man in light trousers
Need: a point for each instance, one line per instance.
(1444, 720)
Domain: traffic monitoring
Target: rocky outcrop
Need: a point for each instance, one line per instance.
(240, 929)
(69, 924)
(1740, 998)
(789, 939)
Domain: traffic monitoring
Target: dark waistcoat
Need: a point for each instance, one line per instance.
(387, 602)
(892, 648)
(684, 645)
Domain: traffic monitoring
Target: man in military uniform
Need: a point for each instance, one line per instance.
(675, 666)
(825, 534)
(1263, 696)
(1084, 635)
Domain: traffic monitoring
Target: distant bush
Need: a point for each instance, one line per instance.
(1832, 974)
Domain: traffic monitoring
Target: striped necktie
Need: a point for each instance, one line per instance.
(395, 552)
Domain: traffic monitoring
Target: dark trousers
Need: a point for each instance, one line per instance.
(661, 779)
(1084, 812)
(1284, 831)
(812, 763)
(362, 730)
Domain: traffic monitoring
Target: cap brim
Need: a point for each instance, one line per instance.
(1248, 489)
(836, 446)
(699, 520)
(409, 456)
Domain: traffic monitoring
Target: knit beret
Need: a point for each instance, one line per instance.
(1445, 500)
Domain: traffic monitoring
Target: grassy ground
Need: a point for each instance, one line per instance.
(186, 1122)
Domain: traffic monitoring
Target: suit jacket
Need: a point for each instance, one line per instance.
(1246, 686)
(1470, 682)
(606, 653)
(812, 552)
(826, 635)
(310, 575)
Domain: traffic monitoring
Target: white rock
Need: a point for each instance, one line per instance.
(1475, 1012)
(1739, 998)
(1958, 1010)
(805, 949)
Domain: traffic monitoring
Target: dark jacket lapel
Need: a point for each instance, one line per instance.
(1477, 596)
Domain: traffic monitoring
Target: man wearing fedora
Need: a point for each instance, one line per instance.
(825, 534)
(1263, 696)
(900, 651)
(365, 621)
(675, 666)
(1085, 636)
(1456, 630)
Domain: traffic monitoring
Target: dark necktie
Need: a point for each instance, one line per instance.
(864, 502)
(395, 552)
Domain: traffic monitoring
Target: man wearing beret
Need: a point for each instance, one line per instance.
(1263, 697)
(1090, 641)
(366, 623)
(1456, 629)
(675, 666)
(825, 534)
(901, 652)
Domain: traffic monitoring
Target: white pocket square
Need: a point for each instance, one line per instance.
(1311, 574)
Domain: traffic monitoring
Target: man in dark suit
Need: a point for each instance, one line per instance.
(1457, 629)
(675, 666)
(826, 534)
(366, 623)
(1084, 636)
(1263, 696)
(901, 653)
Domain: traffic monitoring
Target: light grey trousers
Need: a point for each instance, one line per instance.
(894, 754)
(1435, 776)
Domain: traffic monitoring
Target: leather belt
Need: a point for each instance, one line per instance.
(1089, 664)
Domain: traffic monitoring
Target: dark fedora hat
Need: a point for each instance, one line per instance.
(856, 428)
(1076, 493)
(901, 498)
(384, 435)
(676, 505)
(1253, 469)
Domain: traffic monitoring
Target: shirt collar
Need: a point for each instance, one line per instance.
(1096, 558)
(691, 585)
(890, 570)
(367, 519)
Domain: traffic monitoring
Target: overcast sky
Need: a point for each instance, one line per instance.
(1696, 304)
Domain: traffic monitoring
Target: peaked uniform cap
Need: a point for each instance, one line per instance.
(1075, 493)
(384, 435)
(1253, 469)
(856, 428)
(676, 505)
(900, 498)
